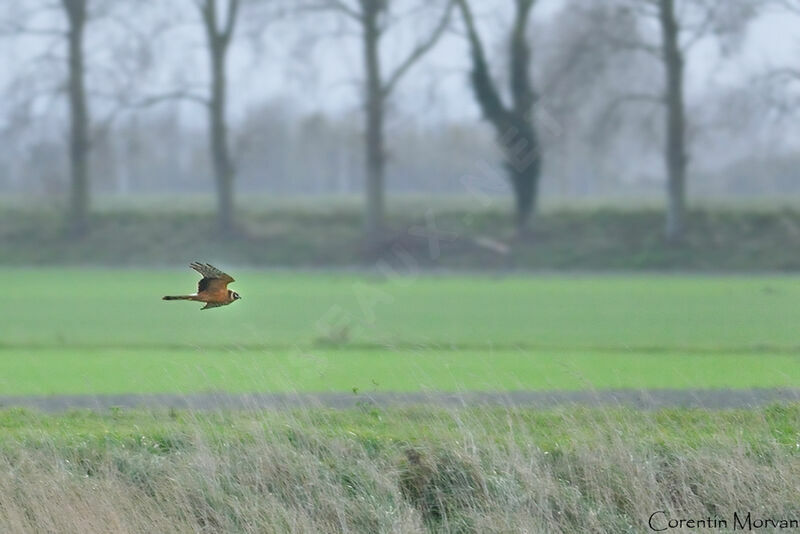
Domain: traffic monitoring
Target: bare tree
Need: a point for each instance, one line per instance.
(681, 24)
(782, 82)
(218, 35)
(63, 23)
(219, 20)
(76, 12)
(675, 154)
(373, 20)
(514, 123)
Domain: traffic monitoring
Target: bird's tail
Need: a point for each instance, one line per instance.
(177, 297)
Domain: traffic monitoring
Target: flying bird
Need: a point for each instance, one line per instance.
(212, 289)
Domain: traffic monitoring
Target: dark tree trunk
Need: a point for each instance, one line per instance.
(377, 89)
(374, 147)
(223, 167)
(675, 150)
(526, 156)
(78, 218)
(218, 41)
(513, 125)
(523, 164)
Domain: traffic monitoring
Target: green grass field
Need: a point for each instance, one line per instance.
(421, 469)
(107, 331)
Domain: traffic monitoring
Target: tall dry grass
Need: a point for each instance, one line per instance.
(465, 471)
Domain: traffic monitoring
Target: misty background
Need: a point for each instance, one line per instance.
(295, 112)
(633, 102)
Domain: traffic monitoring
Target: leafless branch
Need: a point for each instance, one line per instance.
(420, 50)
(701, 30)
(624, 99)
(230, 21)
(9, 28)
(187, 96)
(789, 5)
(333, 5)
(633, 45)
(783, 74)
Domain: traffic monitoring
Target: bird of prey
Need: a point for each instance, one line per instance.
(212, 289)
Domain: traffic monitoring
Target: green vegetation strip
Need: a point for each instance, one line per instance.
(548, 429)
(326, 233)
(98, 371)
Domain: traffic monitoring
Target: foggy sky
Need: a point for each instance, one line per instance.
(302, 65)
(293, 61)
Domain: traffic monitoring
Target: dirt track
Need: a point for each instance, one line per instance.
(644, 399)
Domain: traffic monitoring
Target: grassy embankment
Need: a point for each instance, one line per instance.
(397, 470)
(744, 239)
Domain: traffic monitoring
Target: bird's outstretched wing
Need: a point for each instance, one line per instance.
(213, 278)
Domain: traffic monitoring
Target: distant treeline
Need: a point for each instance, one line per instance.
(591, 99)
(319, 155)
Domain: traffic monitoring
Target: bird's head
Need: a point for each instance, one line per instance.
(235, 295)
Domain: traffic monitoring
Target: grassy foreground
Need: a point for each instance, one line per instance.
(107, 331)
(399, 470)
